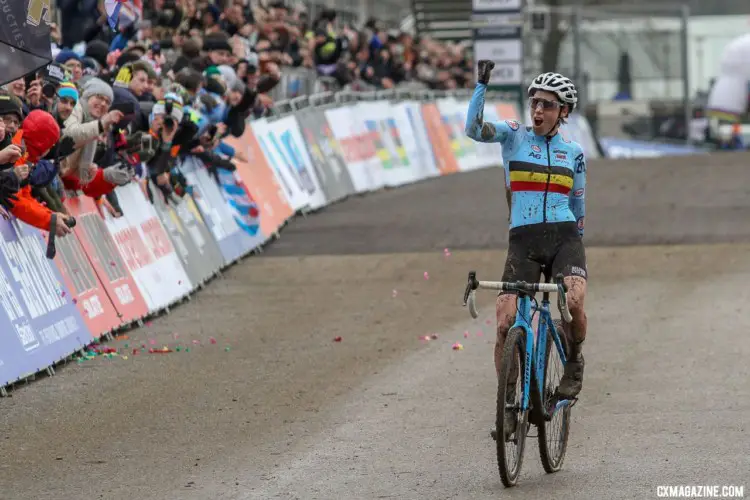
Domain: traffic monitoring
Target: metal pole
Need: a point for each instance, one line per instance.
(577, 71)
(685, 71)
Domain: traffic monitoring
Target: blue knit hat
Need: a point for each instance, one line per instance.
(68, 90)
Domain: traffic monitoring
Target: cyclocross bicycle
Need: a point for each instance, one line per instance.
(527, 353)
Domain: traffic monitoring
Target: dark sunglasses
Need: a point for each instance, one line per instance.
(546, 105)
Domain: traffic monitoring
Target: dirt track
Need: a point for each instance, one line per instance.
(288, 413)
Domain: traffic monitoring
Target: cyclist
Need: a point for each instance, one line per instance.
(545, 181)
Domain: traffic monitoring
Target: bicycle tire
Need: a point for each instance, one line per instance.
(514, 348)
(551, 461)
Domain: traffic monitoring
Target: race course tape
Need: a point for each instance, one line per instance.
(114, 271)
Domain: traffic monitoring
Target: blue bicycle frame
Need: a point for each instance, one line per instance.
(537, 351)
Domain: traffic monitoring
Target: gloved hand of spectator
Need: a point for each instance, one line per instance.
(8, 188)
(485, 69)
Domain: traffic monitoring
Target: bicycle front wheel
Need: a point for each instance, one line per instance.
(511, 423)
(553, 434)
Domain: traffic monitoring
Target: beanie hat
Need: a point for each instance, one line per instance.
(177, 106)
(66, 55)
(68, 90)
(11, 105)
(98, 50)
(215, 86)
(95, 86)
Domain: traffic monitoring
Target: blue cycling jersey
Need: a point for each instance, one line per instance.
(546, 176)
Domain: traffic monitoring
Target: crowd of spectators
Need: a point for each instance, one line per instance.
(130, 103)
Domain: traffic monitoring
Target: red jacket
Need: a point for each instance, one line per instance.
(39, 133)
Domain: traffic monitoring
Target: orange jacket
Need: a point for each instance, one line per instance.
(42, 132)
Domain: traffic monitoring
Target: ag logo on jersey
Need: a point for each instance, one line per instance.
(513, 124)
(536, 148)
(580, 164)
(38, 11)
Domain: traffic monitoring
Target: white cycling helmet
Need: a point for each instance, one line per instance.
(559, 85)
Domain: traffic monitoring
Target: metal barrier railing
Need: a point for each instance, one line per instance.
(333, 98)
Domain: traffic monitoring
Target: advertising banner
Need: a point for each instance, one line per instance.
(262, 183)
(286, 140)
(192, 221)
(326, 155)
(242, 207)
(380, 122)
(39, 325)
(106, 259)
(295, 195)
(216, 214)
(196, 268)
(358, 147)
(426, 164)
(464, 148)
(86, 291)
(440, 140)
(147, 250)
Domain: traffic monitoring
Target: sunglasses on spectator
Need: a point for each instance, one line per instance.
(534, 102)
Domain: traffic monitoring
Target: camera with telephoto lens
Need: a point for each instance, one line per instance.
(52, 76)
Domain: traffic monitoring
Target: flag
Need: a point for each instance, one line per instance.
(122, 12)
(24, 38)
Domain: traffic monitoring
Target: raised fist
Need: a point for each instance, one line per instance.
(485, 68)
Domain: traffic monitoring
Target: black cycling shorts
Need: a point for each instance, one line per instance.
(555, 246)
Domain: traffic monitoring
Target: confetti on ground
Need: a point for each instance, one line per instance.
(175, 336)
(479, 334)
(212, 340)
(489, 321)
(446, 253)
(337, 339)
(226, 349)
(424, 337)
(426, 275)
(458, 347)
(466, 334)
(196, 342)
(434, 336)
(395, 293)
(152, 342)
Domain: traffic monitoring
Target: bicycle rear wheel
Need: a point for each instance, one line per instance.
(553, 434)
(510, 450)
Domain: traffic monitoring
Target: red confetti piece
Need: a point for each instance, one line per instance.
(337, 339)
(426, 275)
(212, 340)
(466, 335)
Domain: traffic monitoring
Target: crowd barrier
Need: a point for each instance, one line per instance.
(112, 273)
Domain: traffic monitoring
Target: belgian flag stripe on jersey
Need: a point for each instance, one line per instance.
(533, 177)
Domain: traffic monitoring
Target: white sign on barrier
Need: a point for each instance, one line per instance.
(287, 140)
(147, 250)
(288, 180)
(359, 151)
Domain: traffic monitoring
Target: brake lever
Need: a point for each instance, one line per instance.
(473, 284)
